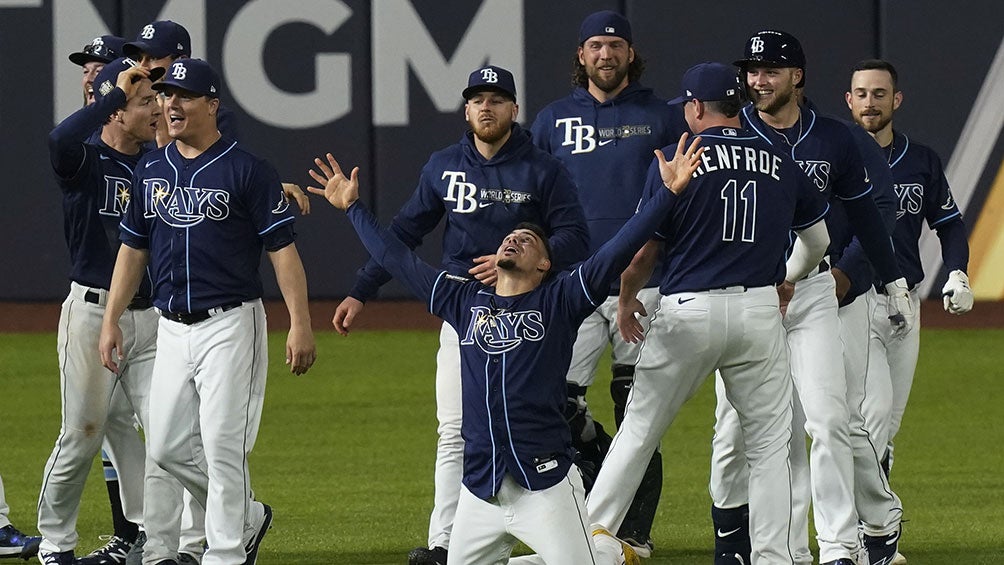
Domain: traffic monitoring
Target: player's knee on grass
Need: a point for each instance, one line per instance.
(620, 387)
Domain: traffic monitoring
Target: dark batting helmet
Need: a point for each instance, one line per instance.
(773, 48)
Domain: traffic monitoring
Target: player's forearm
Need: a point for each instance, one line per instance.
(292, 282)
(639, 272)
(126, 278)
(807, 251)
(391, 253)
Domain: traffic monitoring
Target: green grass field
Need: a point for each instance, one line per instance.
(345, 454)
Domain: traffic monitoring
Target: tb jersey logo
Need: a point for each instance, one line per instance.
(584, 138)
(466, 197)
(498, 331)
(184, 206)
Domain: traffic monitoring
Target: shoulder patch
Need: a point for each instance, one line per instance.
(457, 278)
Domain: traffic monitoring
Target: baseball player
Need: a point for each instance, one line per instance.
(12, 541)
(723, 251)
(123, 447)
(493, 179)
(825, 149)
(519, 479)
(923, 193)
(605, 132)
(204, 209)
(95, 179)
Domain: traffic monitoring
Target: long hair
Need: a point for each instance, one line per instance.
(579, 77)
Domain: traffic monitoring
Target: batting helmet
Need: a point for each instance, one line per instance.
(773, 48)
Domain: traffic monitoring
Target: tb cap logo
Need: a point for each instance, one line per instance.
(489, 75)
(148, 32)
(756, 44)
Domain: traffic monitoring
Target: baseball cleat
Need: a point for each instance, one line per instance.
(112, 553)
(186, 559)
(842, 561)
(135, 556)
(898, 559)
(643, 546)
(630, 557)
(54, 558)
(13, 542)
(427, 556)
(251, 547)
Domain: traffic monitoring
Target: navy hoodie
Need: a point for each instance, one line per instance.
(483, 200)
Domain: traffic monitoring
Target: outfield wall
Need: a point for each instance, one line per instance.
(378, 84)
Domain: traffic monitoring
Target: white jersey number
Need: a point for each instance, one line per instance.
(740, 206)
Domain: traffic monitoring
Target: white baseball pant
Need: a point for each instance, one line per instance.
(209, 381)
(600, 329)
(898, 357)
(86, 389)
(552, 522)
(816, 361)
(4, 508)
(691, 335)
(125, 449)
(878, 507)
(449, 471)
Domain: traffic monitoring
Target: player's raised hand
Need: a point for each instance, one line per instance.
(484, 270)
(295, 193)
(339, 190)
(110, 346)
(676, 174)
(128, 80)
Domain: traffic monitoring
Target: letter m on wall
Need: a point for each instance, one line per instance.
(402, 44)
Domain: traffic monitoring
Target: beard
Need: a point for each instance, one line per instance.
(875, 125)
(490, 132)
(772, 104)
(607, 84)
(506, 264)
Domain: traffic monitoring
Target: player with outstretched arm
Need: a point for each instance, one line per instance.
(515, 347)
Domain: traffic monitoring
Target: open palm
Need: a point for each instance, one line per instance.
(339, 190)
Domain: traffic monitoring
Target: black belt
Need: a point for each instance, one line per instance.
(137, 302)
(189, 318)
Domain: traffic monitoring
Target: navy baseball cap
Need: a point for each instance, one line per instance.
(709, 82)
(490, 78)
(193, 75)
(160, 39)
(605, 22)
(772, 48)
(104, 83)
(104, 49)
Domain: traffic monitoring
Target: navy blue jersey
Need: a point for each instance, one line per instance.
(96, 181)
(607, 147)
(483, 200)
(205, 221)
(514, 350)
(826, 151)
(924, 194)
(731, 226)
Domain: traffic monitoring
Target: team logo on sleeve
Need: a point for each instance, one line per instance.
(184, 207)
(282, 205)
(499, 331)
(949, 203)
